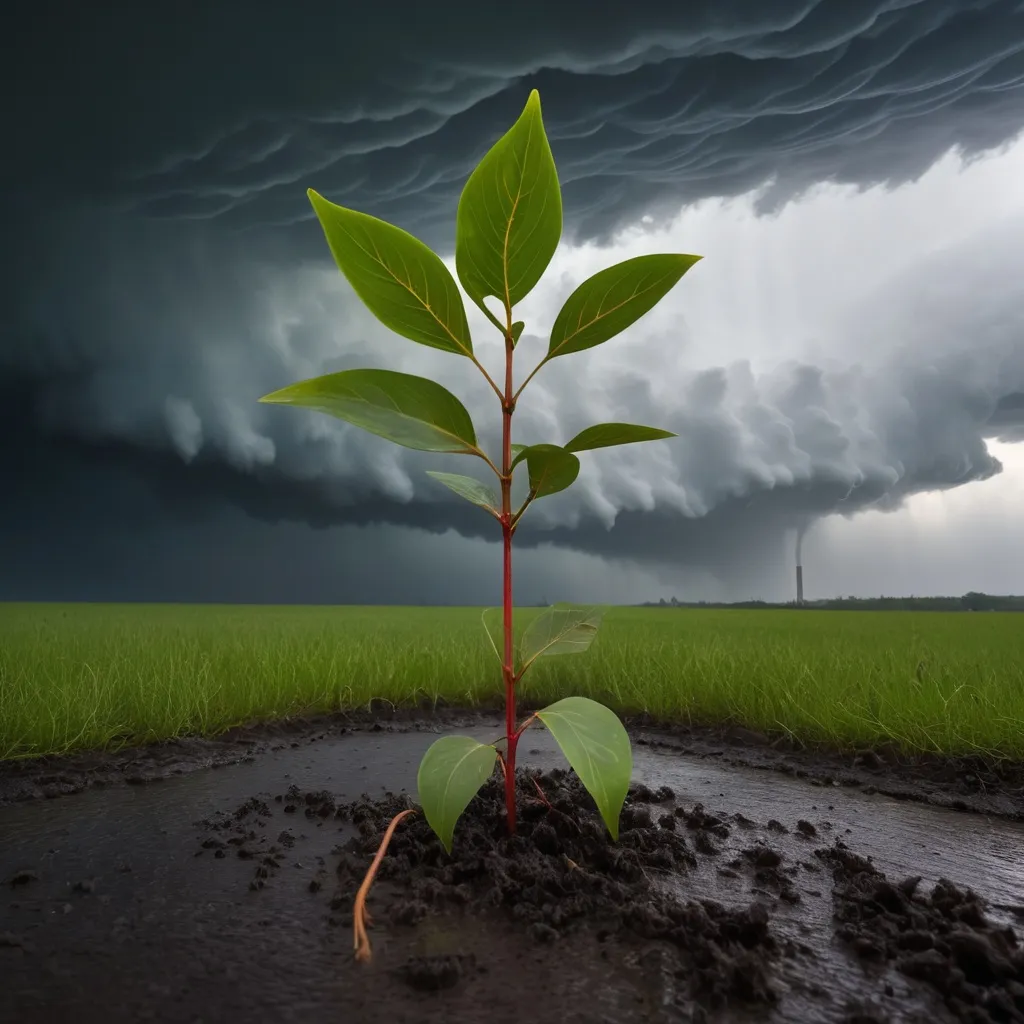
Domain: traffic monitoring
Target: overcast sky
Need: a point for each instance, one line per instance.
(847, 361)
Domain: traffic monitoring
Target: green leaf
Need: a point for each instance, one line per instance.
(561, 629)
(517, 330)
(468, 488)
(411, 411)
(451, 773)
(517, 452)
(551, 468)
(510, 215)
(607, 303)
(596, 744)
(606, 435)
(403, 282)
(490, 635)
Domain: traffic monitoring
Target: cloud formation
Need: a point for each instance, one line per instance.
(162, 270)
(226, 112)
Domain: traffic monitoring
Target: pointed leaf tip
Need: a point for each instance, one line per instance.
(451, 773)
(509, 218)
(613, 299)
(596, 745)
(607, 435)
(412, 411)
(400, 279)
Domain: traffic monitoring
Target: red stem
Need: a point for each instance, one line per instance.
(508, 667)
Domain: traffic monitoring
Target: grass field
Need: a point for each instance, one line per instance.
(78, 676)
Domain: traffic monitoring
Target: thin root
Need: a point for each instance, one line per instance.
(360, 915)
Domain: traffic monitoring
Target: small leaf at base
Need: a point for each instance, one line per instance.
(451, 773)
(468, 488)
(552, 469)
(561, 629)
(596, 745)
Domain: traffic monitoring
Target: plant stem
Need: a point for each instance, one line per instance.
(508, 666)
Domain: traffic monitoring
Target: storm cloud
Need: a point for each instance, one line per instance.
(162, 268)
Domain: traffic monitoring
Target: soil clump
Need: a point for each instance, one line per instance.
(560, 874)
(942, 938)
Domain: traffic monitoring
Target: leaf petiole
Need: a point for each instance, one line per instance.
(533, 373)
(522, 508)
(532, 718)
(487, 377)
(483, 455)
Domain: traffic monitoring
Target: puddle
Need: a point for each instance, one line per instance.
(118, 911)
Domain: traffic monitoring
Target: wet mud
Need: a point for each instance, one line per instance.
(734, 893)
(943, 938)
(985, 785)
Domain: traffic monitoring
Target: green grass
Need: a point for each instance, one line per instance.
(80, 676)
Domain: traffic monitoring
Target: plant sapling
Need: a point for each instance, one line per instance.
(508, 226)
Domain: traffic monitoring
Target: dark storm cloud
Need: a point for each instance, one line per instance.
(228, 110)
(161, 270)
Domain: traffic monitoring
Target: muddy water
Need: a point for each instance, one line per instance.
(112, 911)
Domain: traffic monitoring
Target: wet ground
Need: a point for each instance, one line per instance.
(740, 889)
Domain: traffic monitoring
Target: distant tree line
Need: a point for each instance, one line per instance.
(971, 602)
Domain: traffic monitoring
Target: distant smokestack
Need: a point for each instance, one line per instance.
(800, 531)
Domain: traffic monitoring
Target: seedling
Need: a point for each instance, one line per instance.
(508, 226)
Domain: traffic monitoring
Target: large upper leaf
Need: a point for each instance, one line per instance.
(606, 435)
(451, 773)
(510, 214)
(468, 488)
(409, 410)
(607, 303)
(561, 629)
(403, 282)
(551, 468)
(596, 744)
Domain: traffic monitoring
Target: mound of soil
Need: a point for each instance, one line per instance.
(562, 873)
(942, 939)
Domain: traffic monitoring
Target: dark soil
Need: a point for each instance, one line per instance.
(562, 874)
(942, 939)
(119, 906)
(972, 783)
(562, 884)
